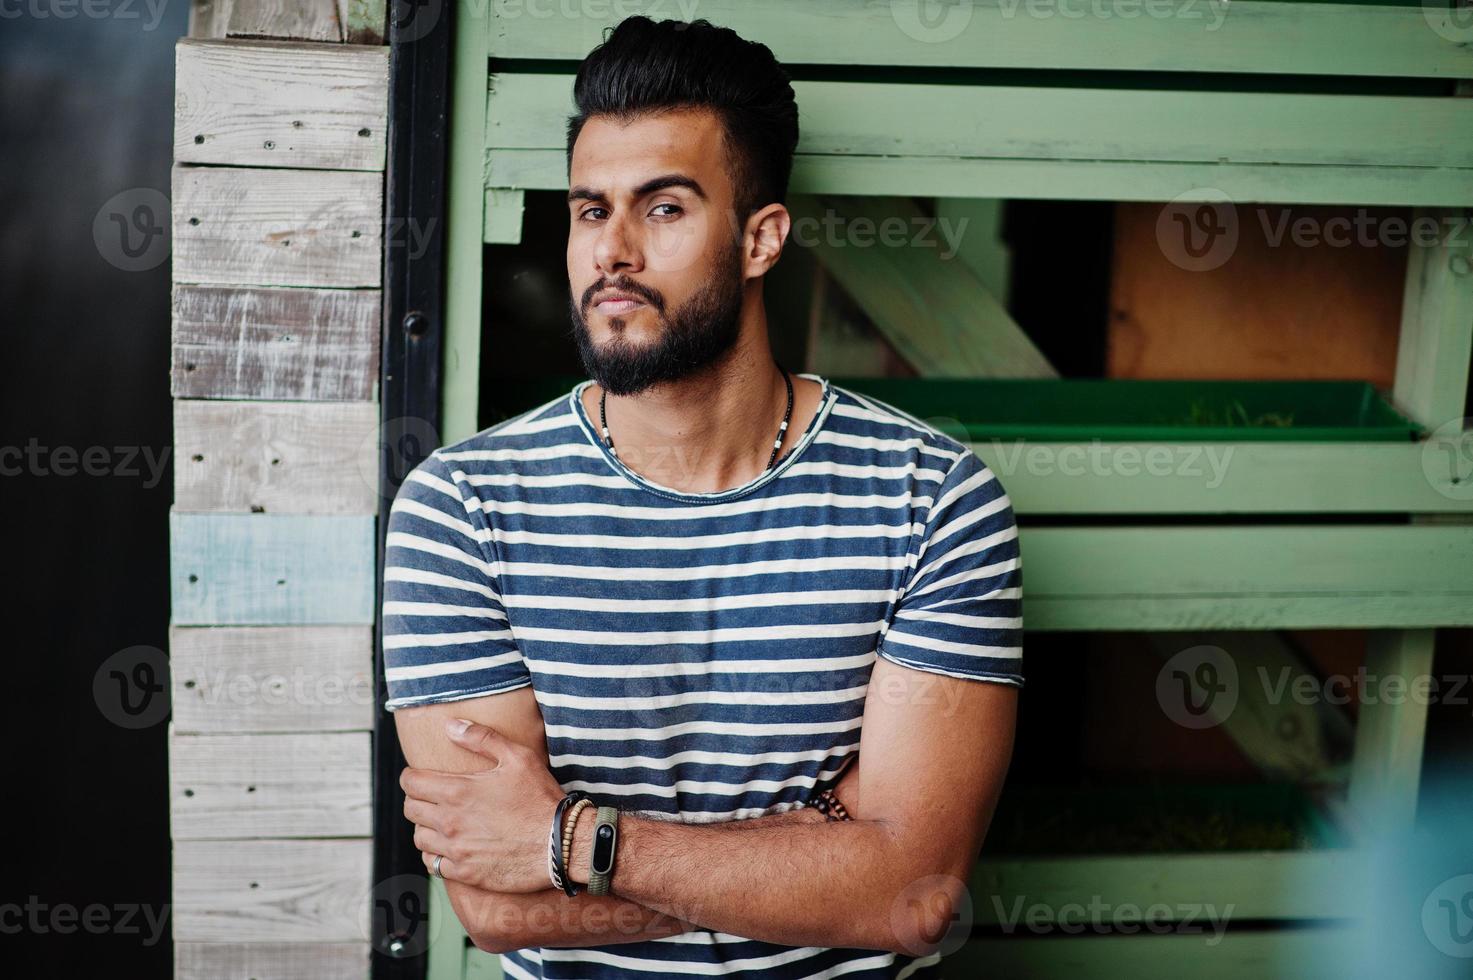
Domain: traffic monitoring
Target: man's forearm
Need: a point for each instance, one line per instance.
(800, 883)
(500, 921)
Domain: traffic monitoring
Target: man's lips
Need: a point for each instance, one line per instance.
(613, 307)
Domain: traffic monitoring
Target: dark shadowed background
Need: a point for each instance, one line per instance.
(86, 106)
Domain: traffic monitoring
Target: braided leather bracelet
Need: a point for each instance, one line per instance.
(556, 870)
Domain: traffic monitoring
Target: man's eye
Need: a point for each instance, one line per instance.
(588, 211)
(674, 209)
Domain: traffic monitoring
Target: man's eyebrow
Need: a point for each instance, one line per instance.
(583, 193)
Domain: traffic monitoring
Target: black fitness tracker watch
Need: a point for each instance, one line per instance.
(605, 840)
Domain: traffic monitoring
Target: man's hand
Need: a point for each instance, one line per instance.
(491, 827)
(500, 921)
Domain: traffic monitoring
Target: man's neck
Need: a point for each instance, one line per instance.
(708, 432)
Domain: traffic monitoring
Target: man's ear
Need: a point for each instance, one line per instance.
(762, 244)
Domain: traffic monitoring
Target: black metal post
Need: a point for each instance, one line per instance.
(413, 302)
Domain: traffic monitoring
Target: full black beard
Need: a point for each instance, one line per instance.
(698, 335)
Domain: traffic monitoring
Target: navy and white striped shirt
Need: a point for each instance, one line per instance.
(700, 656)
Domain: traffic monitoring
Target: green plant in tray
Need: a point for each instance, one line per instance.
(1203, 413)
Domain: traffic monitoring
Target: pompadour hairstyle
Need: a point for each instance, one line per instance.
(645, 66)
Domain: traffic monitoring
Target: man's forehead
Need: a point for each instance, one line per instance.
(618, 157)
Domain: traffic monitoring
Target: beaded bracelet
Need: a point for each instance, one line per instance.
(828, 804)
(570, 823)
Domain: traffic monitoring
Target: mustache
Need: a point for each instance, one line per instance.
(650, 296)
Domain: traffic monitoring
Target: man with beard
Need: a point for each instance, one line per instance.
(639, 637)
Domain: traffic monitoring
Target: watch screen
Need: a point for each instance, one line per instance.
(603, 849)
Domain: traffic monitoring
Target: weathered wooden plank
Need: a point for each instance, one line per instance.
(207, 18)
(304, 344)
(1246, 36)
(1222, 477)
(314, 784)
(305, 20)
(1247, 577)
(249, 961)
(365, 21)
(1083, 180)
(271, 569)
(271, 678)
(277, 227)
(272, 891)
(276, 457)
(898, 265)
(280, 104)
(528, 111)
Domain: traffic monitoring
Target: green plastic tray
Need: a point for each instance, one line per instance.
(1156, 411)
(1078, 410)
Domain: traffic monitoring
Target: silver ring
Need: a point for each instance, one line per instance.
(435, 868)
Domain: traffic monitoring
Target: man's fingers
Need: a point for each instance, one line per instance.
(432, 842)
(427, 784)
(422, 814)
(479, 739)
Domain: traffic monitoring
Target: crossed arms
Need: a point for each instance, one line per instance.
(935, 750)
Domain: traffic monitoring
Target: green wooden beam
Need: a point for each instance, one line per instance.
(464, 229)
(1300, 953)
(1081, 180)
(529, 111)
(901, 269)
(1247, 577)
(1437, 323)
(503, 225)
(1308, 953)
(982, 248)
(1390, 732)
(999, 141)
(1214, 36)
(841, 339)
(449, 950)
(1258, 884)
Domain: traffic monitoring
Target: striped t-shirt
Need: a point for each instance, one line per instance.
(700, 656)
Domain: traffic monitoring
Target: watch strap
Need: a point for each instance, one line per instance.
(607, 816)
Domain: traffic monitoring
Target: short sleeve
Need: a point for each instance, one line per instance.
(446, 635)
(961, 613)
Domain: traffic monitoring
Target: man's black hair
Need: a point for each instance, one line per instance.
(645, 66)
